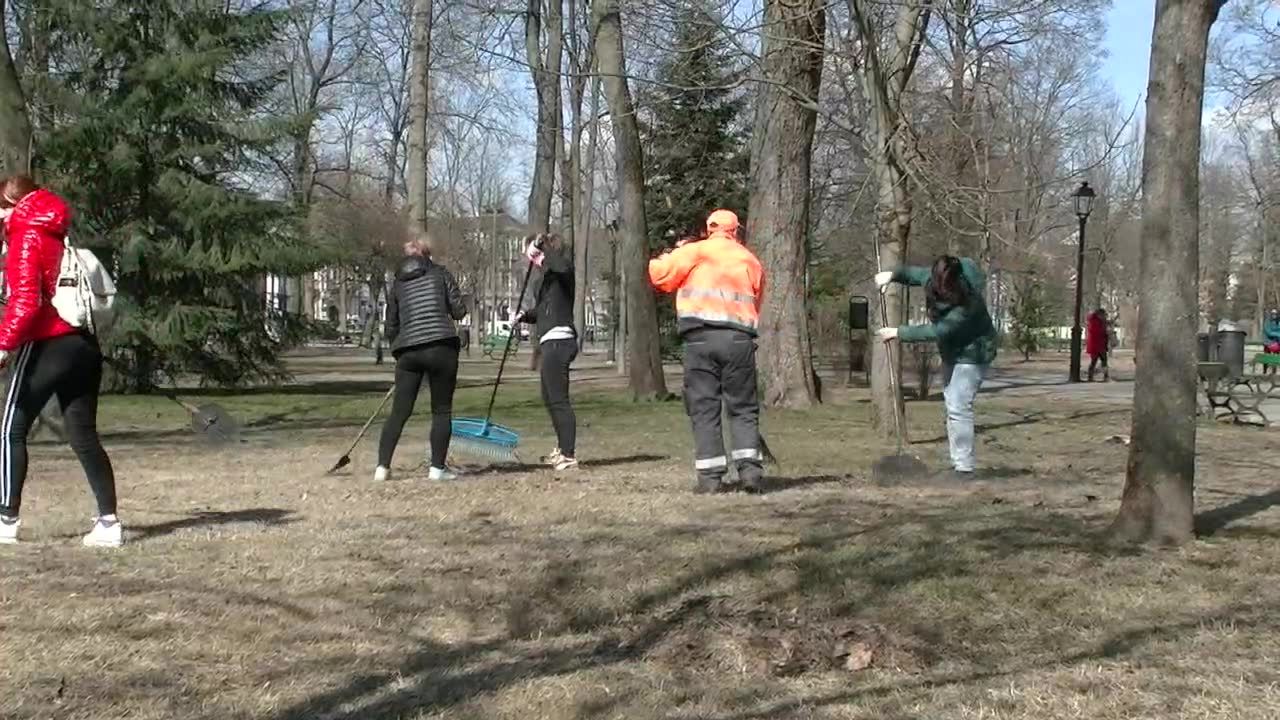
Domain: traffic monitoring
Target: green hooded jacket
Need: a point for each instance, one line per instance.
(964, 333)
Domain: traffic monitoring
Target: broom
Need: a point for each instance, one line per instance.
(481, 436)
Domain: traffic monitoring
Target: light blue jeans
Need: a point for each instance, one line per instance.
(962, 383)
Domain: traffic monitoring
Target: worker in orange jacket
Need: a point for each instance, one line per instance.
(719, 285)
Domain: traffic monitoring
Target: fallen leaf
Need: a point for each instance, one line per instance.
(860, 656)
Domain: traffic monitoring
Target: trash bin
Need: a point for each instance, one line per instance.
(858, 312)
(1231, 351)
(1204, 347)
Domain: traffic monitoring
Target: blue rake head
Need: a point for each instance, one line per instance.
(477, 436)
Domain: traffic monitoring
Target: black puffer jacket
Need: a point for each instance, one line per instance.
(424, 302)
(553, 306)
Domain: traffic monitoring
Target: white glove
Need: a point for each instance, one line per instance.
(4, 358)
(884, 278)
(888, 333)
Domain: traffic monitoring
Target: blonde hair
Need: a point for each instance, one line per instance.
(420, 241)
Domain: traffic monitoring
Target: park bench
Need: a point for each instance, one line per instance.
(1238, 398)
(495, 342)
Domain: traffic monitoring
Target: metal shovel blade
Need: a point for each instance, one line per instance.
(215, 425)
(898, 470)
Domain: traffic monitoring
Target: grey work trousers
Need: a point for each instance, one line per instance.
(720, 367)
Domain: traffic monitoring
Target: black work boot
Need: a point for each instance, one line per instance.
(709, 484)
(752, 477)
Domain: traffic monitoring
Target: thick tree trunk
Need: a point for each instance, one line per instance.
(778, 211)
(416, 178)
(644, 358)
(15, 124)
(1157, 503)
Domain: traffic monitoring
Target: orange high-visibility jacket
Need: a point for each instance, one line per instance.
(718, 283)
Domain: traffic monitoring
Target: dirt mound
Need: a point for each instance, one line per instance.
(730, 635)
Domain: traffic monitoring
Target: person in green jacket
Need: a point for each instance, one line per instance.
(961, 326)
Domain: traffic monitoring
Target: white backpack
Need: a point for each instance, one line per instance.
(85, 295)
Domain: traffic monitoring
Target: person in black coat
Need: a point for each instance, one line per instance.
(552, 315)
(422, 307)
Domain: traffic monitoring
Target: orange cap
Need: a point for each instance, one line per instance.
(722, 221)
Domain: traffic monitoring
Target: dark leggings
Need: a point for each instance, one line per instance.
(437, 363)
(70, 368)
(1095, 359)
(557, 355)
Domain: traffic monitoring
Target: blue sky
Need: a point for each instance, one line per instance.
(1128, 45)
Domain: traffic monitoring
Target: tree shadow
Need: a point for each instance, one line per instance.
(773, 485)
(593, 464)
(211, 518)
(1116, 645)
(1209, 522)
(553, 633)
(1032, 418)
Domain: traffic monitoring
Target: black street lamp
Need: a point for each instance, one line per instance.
(1084, 205)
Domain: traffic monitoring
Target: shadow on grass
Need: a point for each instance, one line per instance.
(555, 628)
(212, 518)
(774, 485)
(1116, 645)
(593, 464)
(1210, 522)
(1032, 418)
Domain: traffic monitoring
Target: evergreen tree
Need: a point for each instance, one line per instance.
(696, 151)
(156, 120)
(1030, 316)
(696, 155)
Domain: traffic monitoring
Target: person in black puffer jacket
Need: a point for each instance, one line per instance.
(553, 317)
(422, 306)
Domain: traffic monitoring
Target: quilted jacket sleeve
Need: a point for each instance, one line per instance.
(22, 274)
(39, 219)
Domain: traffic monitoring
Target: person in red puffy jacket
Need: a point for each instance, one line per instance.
(1097, 342)
(47, 358)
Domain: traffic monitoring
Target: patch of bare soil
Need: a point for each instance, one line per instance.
(726, 635)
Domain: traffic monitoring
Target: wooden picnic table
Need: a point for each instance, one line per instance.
(1238, 398)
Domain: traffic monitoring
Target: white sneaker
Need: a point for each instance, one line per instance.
(553, 458)
(105, 534)
(9, 530)
(381, 474)
(566, 463)
(436, 473)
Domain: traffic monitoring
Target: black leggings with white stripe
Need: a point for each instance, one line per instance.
(69, 367)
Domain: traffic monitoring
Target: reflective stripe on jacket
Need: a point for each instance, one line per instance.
(718, 283)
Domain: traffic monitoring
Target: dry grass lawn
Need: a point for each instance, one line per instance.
(254, 586)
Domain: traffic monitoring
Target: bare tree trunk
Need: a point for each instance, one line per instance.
(778, 213)
(885, 81)
(584, 200)
(546, 82)
(643, 346)
(615, 312)
(416, 177)
(15, 125)
(1158, 501)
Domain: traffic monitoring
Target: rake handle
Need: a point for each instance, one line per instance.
(374, 416)
(506, 351)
